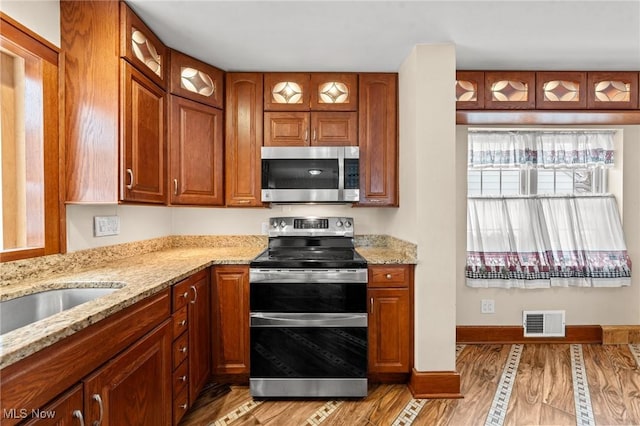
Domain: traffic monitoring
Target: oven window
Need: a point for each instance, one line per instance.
(300, 174)
(301, 352)
(312, 297)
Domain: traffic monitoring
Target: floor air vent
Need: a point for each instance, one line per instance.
(543, 323)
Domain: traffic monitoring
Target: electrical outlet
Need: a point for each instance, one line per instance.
(488, 306)
(106, 225)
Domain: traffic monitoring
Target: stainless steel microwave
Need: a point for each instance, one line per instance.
(322, 174)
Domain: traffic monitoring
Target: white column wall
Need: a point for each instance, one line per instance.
(428, 213)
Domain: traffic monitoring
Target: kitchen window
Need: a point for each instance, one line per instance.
(539, 214)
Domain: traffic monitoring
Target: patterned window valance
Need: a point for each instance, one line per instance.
(540, 148)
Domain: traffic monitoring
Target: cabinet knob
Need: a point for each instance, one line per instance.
(183, 323)
(388, 276)
(183, 406)
(183, 349)
(185, 294)
(183, 378)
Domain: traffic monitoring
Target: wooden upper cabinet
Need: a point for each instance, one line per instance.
(143, 164)
(286, 128)
(561, 90)
(330, 128)
(286, 92)
(612, 90)
(196, 153)
(322, 128)
(115, 114)
(469, 90)
(243, 139)
(310, 92)
(196, 80)
(141, 47)
(378, 139)
(334, 92)
(509, 89)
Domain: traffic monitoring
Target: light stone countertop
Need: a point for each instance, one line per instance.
(140, 276)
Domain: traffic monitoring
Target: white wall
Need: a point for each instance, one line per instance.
(599, 306)
(136, 223)
(428, 213)
(42, 17)
(248, 221)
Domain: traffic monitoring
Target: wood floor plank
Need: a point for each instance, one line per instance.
(542, 393)
(557, 391)
(606, 397)
(480, 370)
(626, 372)
(277, 413)
(550, 415)
(525, 403)
(359, 412)
(211, 406)
(439, 412)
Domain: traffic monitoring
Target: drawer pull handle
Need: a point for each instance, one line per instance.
(130, 174)
(388, 276)
(77, 414)
(97, 398)
(195, 294)
(183, 378)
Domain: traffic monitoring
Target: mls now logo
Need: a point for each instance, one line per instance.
(23, 413)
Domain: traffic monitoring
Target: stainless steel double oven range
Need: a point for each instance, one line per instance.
(308, 303)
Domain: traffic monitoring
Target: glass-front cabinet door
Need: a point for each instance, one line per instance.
(196, 80)
(334, 92)
(141, 47)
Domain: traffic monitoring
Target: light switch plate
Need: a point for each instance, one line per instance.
(106, 225)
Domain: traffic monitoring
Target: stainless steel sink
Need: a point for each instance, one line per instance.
(21, 311)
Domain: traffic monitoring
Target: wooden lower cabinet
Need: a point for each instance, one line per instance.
(124, 359)
(135, 387)
(390, 295)
(191, 340)
(230, 319)
(66, 410)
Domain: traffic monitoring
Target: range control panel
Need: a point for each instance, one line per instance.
(311, 226)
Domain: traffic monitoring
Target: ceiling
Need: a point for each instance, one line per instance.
(326, 35)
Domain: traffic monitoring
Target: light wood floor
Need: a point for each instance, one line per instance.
(542, 393)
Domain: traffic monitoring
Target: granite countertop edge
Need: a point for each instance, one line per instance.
(137, 278)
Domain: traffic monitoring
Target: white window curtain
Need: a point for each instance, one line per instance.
(540, 148)
(539, 242)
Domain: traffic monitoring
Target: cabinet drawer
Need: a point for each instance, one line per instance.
(389, 276)
(180, 349)
(180, 405)
(180, 377)
(181, 295)
(180, 322)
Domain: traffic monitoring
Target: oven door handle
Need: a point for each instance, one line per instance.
(275, 319)
(320, 276)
